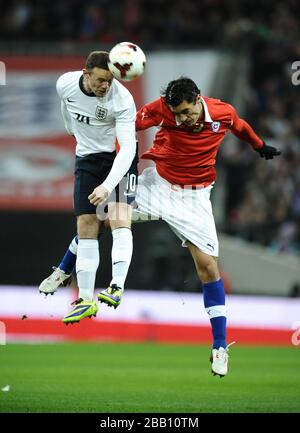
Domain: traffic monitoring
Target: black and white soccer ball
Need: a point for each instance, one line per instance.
(127, 61)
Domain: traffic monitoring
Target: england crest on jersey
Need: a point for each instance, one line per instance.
(101, 112)
(215, 126)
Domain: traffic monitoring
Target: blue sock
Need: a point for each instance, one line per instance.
(69, 260)
(214, 302)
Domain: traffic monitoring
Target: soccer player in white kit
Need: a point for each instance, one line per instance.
(97, 110)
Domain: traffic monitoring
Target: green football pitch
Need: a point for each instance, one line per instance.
(156, 378)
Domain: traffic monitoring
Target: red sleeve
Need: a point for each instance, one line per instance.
(149, 115)
(241, 129)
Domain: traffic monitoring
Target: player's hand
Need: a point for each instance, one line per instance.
(99, 195)
(268, 152)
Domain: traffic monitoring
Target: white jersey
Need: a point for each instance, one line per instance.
(96, 122)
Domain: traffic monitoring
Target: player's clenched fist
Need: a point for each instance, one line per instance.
(99, 195)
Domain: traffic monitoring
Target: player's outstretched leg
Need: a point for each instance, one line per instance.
(214, 302)
(121, 254)
(61, 274)
(81, 310)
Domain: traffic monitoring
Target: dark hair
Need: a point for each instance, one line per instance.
(182, 89)
(97, 59)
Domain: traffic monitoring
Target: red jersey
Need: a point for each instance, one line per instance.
(186, 155)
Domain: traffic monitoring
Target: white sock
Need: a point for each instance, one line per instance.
(73, 247)
(121, 254)
(86, 267)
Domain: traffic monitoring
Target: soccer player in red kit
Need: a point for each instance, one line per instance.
(191, 128)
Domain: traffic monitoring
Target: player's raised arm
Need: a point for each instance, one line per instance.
(149, 115)
(241, 129)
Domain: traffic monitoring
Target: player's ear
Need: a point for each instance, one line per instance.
(198, 98)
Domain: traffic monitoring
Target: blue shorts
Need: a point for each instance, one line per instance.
(91, 171)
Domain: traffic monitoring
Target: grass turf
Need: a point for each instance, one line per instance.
(107, 377)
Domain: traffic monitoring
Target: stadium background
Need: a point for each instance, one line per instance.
(241, 52)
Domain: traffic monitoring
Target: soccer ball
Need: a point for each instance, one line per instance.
(126, 61)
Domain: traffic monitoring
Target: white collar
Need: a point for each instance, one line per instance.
(207, 117)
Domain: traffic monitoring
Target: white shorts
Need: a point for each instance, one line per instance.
(187, 211)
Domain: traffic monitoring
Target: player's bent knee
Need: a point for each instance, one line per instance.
(209, 274)
(207, 267)
(87, 226)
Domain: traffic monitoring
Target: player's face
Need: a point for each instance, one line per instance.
(187, 112)
(98, 80)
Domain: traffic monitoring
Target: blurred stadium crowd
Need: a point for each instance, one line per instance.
(263, 199)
